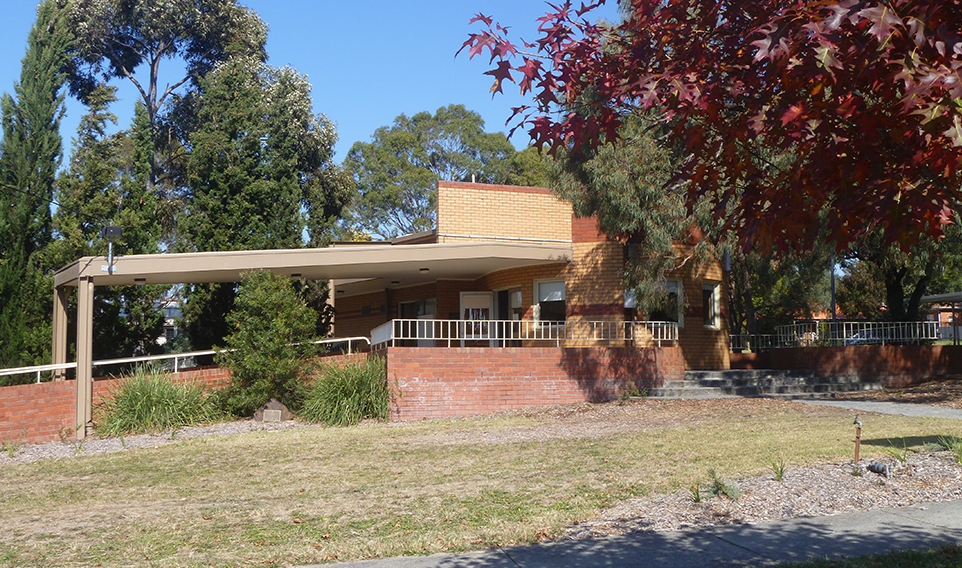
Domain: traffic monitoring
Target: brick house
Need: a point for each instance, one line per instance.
(578, 288)
(510, 302)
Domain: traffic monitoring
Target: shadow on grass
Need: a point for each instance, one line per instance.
(907, 442)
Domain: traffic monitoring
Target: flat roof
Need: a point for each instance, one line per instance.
(949, 298)
(378, 264)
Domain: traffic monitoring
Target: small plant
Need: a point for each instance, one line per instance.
(149, 402)
(954, 445)
(778, 467)
(695, 493)
(856, 471)
(11, 448)
(631, 390)
(720, 487)
(343, 396)
(902, 455)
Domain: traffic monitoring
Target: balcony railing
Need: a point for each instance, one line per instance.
(836, 333)
(517, 333)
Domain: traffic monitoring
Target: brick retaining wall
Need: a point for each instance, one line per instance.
(426, 383)
(37, 413)
(892, 365)
(455, 382)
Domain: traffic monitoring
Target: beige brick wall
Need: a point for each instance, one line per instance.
(594, 279)
(703, 347)
(496, 212)
(594, 287)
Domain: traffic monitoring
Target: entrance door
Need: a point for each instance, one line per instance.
(476, 312)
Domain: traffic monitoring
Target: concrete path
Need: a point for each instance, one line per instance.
(921, 527)
(903, 408)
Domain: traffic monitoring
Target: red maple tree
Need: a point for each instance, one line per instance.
(862, 101)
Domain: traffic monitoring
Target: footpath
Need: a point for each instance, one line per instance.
(879, 531)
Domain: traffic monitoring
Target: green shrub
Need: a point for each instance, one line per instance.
(149, 402)
(343, 396)
(270, 344)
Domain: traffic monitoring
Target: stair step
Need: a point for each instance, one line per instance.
(758, 383)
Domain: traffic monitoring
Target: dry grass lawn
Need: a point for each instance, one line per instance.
(322, 494)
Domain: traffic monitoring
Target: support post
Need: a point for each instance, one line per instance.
(59, 350)
(85, 312)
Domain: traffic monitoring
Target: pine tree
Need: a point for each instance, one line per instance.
(29, 156)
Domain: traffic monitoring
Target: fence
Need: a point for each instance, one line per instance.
(517, 333)
(839, 333)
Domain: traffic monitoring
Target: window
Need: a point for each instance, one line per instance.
(551, 301)
(671, 309)
(418, 309)
(711, 304)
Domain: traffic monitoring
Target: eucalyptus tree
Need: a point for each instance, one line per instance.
(117, 37)
(29, 156)
(398, 170)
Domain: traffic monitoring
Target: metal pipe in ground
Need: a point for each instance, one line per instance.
(858, 437)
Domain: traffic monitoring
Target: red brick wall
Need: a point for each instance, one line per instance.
(40, 412)
(467, 381)
(586, 230)
(426, 383)
(892, 365)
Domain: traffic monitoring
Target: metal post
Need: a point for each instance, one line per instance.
(85, 304)
(59, 339)
(858, 438)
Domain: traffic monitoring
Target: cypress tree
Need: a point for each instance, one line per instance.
(29, 156)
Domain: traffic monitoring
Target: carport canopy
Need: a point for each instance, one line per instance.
(364, 266)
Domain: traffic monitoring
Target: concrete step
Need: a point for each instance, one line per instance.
(758, 383)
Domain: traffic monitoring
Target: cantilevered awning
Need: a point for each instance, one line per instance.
(375, 266)
(380, 263)
(950, 298)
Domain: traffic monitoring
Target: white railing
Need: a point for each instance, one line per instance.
(515, 333)
(744, 342)
(175, 357)
(836, 333)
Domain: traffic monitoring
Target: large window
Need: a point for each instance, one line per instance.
(551, 300)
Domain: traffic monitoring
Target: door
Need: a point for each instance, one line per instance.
(476, 312)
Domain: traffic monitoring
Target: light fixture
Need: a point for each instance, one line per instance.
(296, 275)
(110, 232)
(140, 281)
(422, 270)
(395, 282)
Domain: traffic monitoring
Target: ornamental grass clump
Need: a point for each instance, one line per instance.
(343, 396)
(148, 401)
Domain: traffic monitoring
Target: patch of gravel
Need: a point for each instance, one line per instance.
(73, 448)
(808, 491)
(946, 393)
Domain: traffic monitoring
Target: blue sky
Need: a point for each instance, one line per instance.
(368, 60)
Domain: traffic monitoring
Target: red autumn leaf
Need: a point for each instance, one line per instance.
(502, 72)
